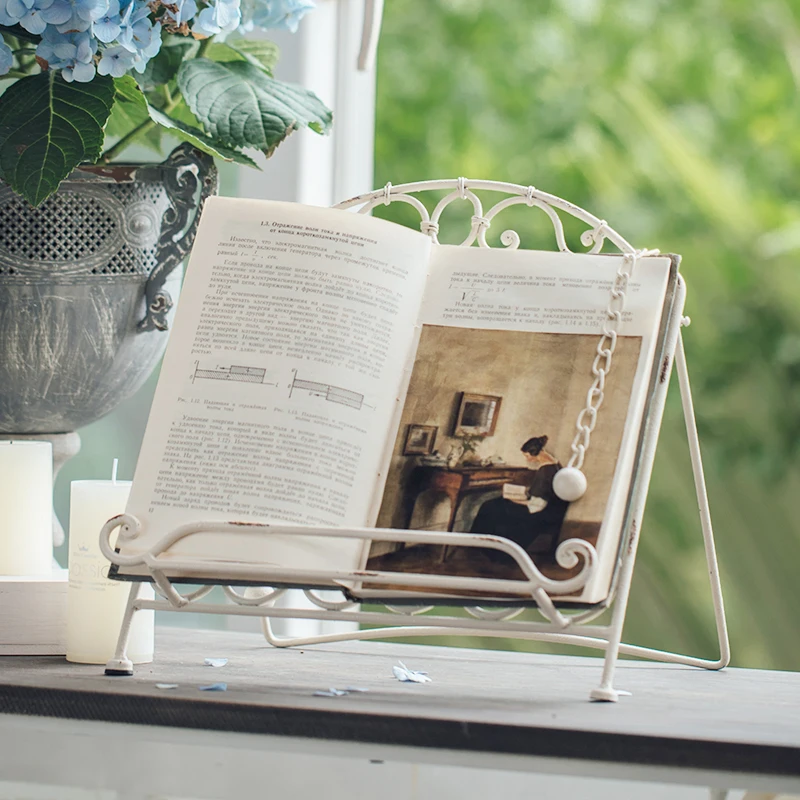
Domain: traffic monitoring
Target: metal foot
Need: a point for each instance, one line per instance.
(119, 666)
(604, 695)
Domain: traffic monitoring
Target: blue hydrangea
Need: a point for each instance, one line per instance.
(223, 17)
(178, 13)
(116, 61)
(82, 13)
(282, 14)
(33, 15)
(108, 27)
(72, 53)
(6, 58)
(136, 34)
(150, 45)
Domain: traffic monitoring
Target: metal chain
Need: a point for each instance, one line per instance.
(601, 366)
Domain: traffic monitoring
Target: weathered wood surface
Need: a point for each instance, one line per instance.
(744, 721)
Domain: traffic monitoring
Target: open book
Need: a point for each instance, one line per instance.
(327, 368)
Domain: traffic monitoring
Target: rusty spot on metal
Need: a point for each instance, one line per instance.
(634, 533)
(115, 172)
(664, 370)
(242, 524)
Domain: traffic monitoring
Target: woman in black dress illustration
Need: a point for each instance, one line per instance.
(528, 509)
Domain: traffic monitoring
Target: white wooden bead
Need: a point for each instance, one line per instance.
(569, 484)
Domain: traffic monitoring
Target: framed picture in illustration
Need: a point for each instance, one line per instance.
(477, 414)
(419, 440)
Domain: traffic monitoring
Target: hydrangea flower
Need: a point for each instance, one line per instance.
(223, 17)
(6, 58)
(147, 47)
(5, 17)
(282, 14)
(82, 13)
(138, 35)
(177, 14)
(72, 53)
(108, 27)
(135, 26)
(116, 61)
(33, 15)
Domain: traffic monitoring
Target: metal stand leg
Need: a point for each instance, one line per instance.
(121, 664)
(605, 691)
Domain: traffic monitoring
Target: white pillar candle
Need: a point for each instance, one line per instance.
(96, 604)
(26, 508)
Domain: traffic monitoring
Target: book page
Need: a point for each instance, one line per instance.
(502, 369)
(280, 380)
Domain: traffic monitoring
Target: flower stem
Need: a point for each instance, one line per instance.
(13, 73)
(204, 45)
(140, 130)
(148, 125)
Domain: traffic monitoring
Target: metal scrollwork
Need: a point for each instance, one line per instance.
(187, 170)
(481, 221)
(328, 605)
(253, 595)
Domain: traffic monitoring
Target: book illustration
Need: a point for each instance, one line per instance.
(333, 394)
(506, 402)
(515, 491)
(232, 372)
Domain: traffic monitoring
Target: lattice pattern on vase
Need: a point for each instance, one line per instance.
(86, 229)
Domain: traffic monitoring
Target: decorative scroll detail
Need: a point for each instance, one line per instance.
(253, 595)
(328, 605)
(465, 189)
(185, 171)
(494, 613)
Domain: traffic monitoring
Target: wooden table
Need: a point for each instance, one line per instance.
(509, 713)
(456, 483)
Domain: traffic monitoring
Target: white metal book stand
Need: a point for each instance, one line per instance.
(558, 625)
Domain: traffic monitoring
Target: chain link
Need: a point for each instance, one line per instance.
(601, 366)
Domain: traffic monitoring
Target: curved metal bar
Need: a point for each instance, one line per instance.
(402, 198)
(570, 551)
(461, 193)
(413, 610)
(331, 605)
(249, 598)
(197, 594)
(599, 231)
(129, 529)
(493, 613)
(594, 642)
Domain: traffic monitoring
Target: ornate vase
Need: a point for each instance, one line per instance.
(87, 282)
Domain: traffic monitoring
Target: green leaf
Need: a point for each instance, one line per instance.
(130, 92)
(48, 127)
(199, 139)
(241, 106)
(129, 113)
(260, 53)
(164, 67)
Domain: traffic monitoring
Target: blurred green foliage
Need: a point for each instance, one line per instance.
(677, 121)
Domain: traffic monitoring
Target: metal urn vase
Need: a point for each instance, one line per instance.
(86, 287)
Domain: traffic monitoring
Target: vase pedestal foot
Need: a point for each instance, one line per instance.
(65, 446)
